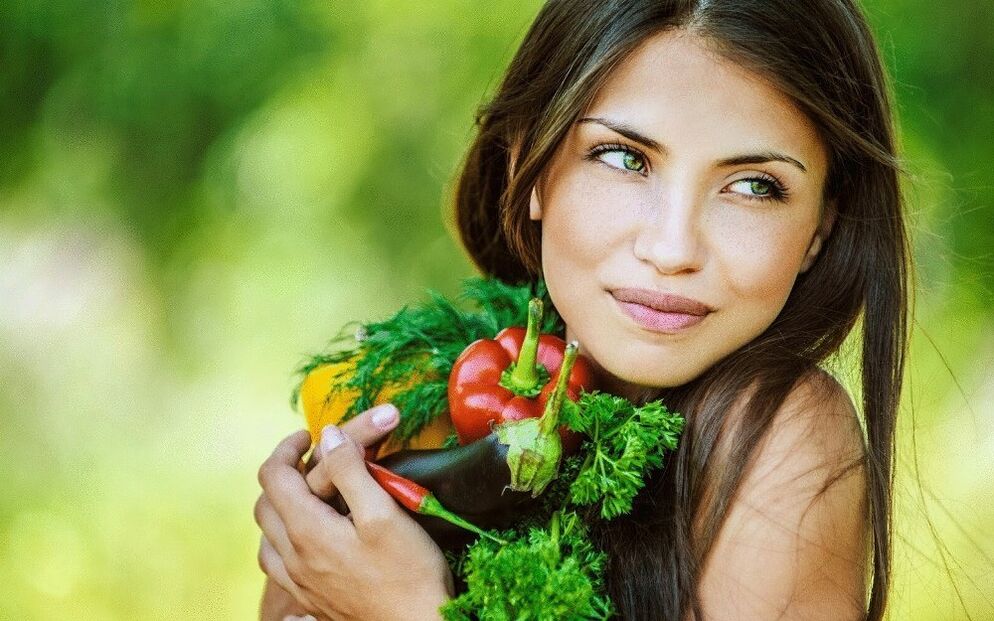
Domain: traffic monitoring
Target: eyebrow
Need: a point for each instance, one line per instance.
(746, 158)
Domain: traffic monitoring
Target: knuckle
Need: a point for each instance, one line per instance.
(257, 510)
(265, 473)
(263, 560)
(300, 533)
(340, 460)
(296, 570)
(373, 524)
(323, 475)
(327, 466)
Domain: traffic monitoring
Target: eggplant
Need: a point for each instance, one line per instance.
(491, 481)
(472, 481)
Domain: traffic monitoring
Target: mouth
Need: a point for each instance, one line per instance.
(660, 312)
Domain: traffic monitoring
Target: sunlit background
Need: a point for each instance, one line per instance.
(194, 195)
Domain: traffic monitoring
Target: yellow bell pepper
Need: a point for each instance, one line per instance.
(319, 410)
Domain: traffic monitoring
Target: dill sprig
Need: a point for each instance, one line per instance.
(549, 569)
(422, 342)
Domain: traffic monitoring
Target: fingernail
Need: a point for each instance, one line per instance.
(385, 415)
(331, 437)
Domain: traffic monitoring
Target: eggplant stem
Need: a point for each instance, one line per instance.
(549, 423)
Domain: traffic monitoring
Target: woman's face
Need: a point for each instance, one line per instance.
(640, 197)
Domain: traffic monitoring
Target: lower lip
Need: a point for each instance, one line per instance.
(659, 321)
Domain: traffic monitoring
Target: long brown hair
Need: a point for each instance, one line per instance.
(821, 54)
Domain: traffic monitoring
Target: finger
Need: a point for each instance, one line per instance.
(373, 425)
(367, 428)
(272, 565)
(319, 481)
(303, 514)
(272, 526)
(344, 469)
(292, 448)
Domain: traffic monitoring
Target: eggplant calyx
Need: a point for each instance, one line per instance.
(534, 445)
(532, 457)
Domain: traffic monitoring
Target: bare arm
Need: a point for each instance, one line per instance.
(794, 543)
(277, 603)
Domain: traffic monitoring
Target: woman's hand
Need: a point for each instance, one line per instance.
(375, 563)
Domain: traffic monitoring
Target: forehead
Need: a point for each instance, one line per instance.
(687, 97)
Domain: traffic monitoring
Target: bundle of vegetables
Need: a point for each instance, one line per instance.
(534, 451)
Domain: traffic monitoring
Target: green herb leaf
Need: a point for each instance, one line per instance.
(625, 442)
(423, 342)
(542, 574)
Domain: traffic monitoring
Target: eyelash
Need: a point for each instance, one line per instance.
(778, 191)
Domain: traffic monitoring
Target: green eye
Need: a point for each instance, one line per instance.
(633, 162)
(764, 187)
(620, 158)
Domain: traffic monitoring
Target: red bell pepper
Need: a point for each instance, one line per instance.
(510, 378)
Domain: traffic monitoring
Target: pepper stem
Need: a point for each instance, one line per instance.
(525, 376)
(431, 506)
(549, 423)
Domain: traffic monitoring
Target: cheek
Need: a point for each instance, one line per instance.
(582, 224)
(584, 232)
(759, 259)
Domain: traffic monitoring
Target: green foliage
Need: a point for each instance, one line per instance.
(624, 443)
(425, 341)
(542, 575)
(231, 179)
(551, 569)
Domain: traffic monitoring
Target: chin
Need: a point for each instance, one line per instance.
(664, 378)
(654, 376)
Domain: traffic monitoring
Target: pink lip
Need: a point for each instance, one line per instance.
(658, 311)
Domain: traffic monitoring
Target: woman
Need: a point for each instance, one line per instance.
(710, 190)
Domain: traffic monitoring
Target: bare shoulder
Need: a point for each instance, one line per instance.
(817, 426)
(794, 543)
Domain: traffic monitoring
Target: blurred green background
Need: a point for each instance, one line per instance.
(194, 195)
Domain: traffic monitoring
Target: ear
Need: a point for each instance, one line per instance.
(821, 234)
(534, 206)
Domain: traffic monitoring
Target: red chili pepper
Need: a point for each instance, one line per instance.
(419, 499)
(511, 378)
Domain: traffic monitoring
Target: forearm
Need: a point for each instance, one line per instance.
(277, 603)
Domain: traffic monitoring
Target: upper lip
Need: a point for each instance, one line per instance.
(665, 302)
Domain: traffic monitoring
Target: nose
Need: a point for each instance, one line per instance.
(671, 238)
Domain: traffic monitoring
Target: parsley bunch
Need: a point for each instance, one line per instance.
(624, 442)
(544, 574)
